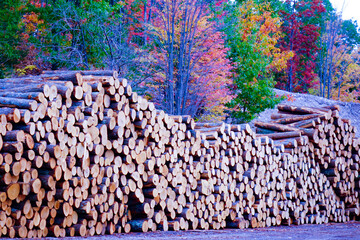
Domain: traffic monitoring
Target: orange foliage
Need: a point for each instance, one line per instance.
(347, 74)
(267, 35)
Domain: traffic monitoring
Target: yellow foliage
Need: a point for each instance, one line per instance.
(268, 35)
(346, 81)
(23, 71)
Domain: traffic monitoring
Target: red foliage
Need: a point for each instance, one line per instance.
(301, 35)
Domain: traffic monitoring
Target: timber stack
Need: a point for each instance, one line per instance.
(82, 154)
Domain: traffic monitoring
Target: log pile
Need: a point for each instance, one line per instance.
(82, 154)
(332, 147)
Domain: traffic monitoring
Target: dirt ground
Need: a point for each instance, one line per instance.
(348, 110)
(350, 230)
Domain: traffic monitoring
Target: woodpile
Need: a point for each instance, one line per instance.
(82, 154)
(331, 153)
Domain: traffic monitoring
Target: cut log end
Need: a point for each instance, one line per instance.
(13, 191)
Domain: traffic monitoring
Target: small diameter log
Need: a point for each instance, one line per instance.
(275, 127)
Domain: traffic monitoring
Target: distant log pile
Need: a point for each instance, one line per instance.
(81, 154)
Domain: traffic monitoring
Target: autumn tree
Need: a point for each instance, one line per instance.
(254, 55)
(192, 69)
(341, 64)
(336, 48)
(345, 83)
(330, 54)
(301, 28)
(338, 42)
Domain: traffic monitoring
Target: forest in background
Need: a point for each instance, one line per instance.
(204, 58)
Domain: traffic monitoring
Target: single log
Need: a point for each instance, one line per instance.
(291, 119)
(275, 127)
(19, 103)
(13, 191)
(301, 110)
(281, 135)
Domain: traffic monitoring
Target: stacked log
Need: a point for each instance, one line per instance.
(334, 151)
(82, 154)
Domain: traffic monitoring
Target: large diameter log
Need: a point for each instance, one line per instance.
(13, 191)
